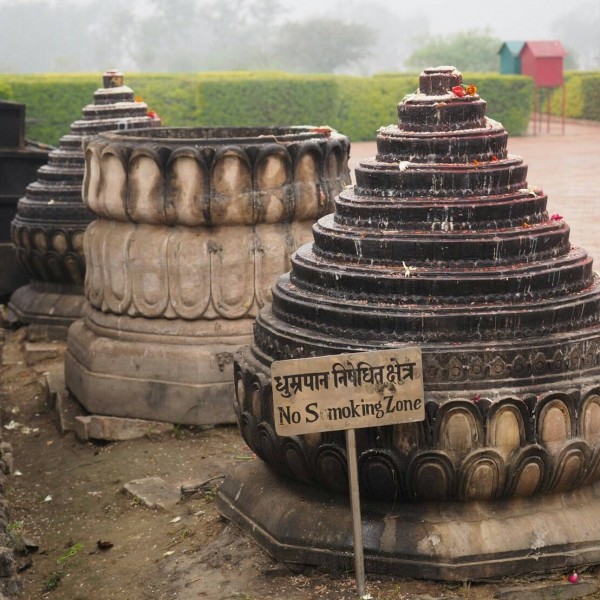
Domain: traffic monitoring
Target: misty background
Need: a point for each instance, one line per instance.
(316, 36)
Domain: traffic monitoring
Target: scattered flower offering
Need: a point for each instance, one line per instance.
(573, 577)
(152, 114)
(462, 90)
(556, 217)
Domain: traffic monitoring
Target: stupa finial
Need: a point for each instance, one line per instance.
(112, 78)
(435, 81)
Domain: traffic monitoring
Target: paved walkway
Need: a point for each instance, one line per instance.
(566, 167)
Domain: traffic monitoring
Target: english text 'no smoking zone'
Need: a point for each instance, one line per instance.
(347, 391)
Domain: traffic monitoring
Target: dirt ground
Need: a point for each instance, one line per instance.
(94, 542)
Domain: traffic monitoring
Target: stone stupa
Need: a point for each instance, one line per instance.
(442, 244)
(51, 219)
(193, 227)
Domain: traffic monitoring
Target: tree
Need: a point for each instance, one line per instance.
(395, 36)
(472, 50)
(579, 32)
(319, 45)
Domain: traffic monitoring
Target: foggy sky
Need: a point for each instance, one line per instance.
(83, 39)
(507, 19)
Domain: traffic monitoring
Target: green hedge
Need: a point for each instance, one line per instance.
(582, 90)
(356, 106)
(267, 99)
(509, 98)
(591, 97)
(6, 92)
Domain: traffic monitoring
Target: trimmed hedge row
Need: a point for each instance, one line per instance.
(355, 106)
(582, 90)
(6, 92)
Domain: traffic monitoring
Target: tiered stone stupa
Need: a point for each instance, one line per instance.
(51, 219)
(194, 225)
(443, 244)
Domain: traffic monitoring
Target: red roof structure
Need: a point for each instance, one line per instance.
(543, 60)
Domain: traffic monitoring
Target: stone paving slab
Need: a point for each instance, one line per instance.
(154, 492)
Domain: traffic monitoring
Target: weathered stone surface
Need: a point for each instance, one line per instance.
(66, 409)
(191, 234)
(81, 426)
(39, 352)
(19, 162)
(118, 428)
(153, 492)
(6, 458)
(8, 565)
(550, 591)
(443, 244)
(454, 541)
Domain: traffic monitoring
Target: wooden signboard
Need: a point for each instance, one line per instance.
(348, 391)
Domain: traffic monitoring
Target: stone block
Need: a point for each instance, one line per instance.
(39, 352)
(153, 492)
(8, 566)
(6, 458)
(66, 410)
(81, 426)
(118, 429)
(551, 591)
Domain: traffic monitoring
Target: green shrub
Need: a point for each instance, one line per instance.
(6, 92)
(355, 106)
(53, 102)
(509, 98)
(590, 87)
(173, 97)
(582, 95)
(366, 104)
(267, 99)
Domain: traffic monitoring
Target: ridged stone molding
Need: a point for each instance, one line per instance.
(51, 219)
(443, 243)
(193, 228)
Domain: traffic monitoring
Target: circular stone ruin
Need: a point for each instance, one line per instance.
(441, 244)
(193, 227)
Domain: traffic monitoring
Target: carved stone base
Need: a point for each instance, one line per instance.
(451, 541)
(160, 369)
(50, 307)
(12, 274)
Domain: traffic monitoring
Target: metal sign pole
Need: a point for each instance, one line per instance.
(359, 559)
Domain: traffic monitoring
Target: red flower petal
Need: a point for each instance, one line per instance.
(459, 90)
(556, 217)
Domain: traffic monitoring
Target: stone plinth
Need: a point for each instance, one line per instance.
(194, 226)
(19, 161)
(443, 244)
(51, 219)
(451, 541)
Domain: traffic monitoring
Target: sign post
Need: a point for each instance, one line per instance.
(344, 392)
